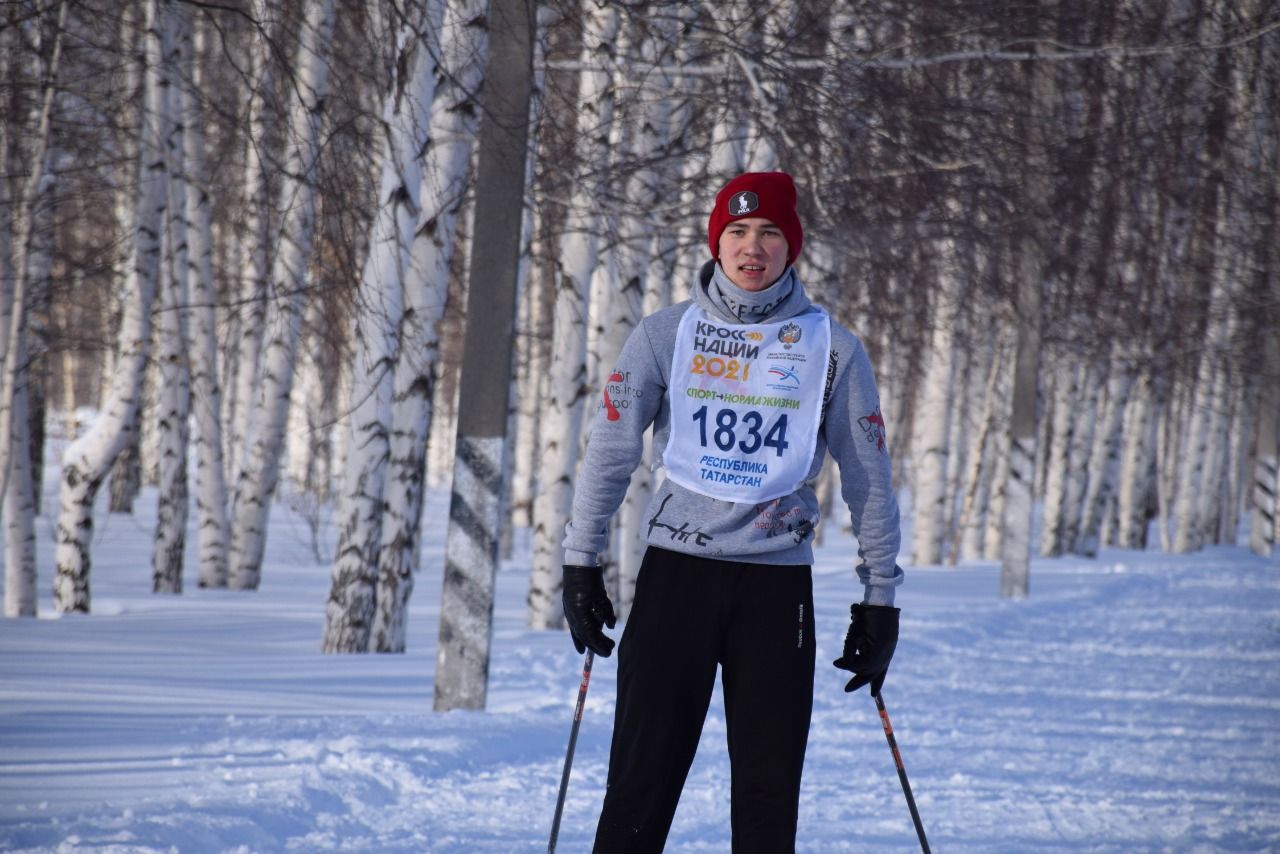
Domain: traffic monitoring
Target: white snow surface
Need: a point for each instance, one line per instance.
(1131, 703)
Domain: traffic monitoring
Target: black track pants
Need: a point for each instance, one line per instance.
(689, 615)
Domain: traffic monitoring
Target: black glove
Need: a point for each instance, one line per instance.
(869, 645)
(587, 609)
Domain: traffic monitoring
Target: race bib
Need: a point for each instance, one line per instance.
(746, 401)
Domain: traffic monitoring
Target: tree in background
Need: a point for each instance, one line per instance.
(87, 460)
(255, 485)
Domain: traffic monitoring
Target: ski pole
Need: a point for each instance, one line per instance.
(573, 741)
(902, 772)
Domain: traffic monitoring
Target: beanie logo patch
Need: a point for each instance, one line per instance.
(743, 203)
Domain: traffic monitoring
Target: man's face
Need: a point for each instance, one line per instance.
(753, 253)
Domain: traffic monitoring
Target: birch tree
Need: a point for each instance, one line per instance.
(254, 255)
(313, 410)
(259, 472)
(1264, 509)
(975, 497)
(532, 333)
(87, 460)
(475, 505)
(1208, 406)
(27, 225)
(454, 116)
(771, 89)
(173, 388)
(211, 488)
(18, 515)
(1238, 455)
(567, 389)
(19, 562)
(531, 361)
(1065, 422)
(1262, 518)
(1079, 475)
(648, 260)
(20, 222)
(605, 275)
(932, 443)
(1015, 555)
(725, 157)
(126, 472)
(1104, 458)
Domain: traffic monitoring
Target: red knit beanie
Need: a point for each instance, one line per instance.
(771, 195)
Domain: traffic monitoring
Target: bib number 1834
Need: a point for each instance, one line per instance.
(729, 430)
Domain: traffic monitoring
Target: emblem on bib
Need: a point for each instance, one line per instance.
(790, 334)
(783, 378)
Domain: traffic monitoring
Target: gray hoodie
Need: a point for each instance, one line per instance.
(775, 532)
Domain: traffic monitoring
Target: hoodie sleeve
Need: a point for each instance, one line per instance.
(628, 403)
(856, 437)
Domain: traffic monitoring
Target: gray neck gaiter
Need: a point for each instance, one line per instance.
(748, 306)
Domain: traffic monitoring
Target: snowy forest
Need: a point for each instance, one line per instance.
(242, 251)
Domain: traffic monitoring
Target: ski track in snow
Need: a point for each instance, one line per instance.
(1131, 704)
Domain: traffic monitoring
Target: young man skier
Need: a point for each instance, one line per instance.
(747, 386)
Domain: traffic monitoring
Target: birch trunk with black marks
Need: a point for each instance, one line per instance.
(1262, 505)
(1212, 496)
(1065, 421)
(86, 461)
(568, 390)
(607, 275)
(1209, 115)
(313, 412)
(126, 472)
(771, 91)
(454, 115)
(350, 609)
(1018, 494)
(934, 423)
(647, 259)
(26, 249)
(976, 483)
(254, 243)
(1136, 465)
(213, 529)
(475, 507)
(173, 386)
(1079, 474)
(531, 368)
(1239, 459)
(993, 527)
(1173, 427)
(705, 172)
(19, 512)
(36, 137)
(532, 332)
(1104, 458)
(1199, 463)
(1015, 559)
(1224, 395)
(967, 400)
(260, 465)
(993, 530)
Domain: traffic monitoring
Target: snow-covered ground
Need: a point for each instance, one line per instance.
(1131, 704)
